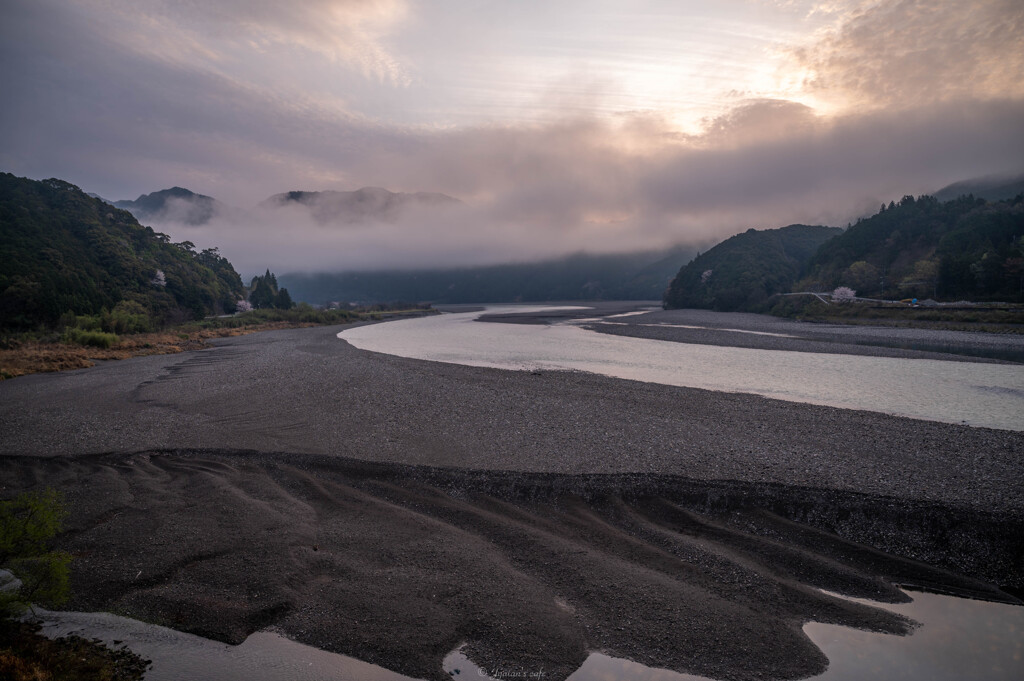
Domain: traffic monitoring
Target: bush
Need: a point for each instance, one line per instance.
(127, 316)
(28, 523)
(96, 339)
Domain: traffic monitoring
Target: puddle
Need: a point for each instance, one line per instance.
(634, 313)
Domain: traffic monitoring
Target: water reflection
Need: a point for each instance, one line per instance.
(976, 394)
(264, 656)
(958, 640)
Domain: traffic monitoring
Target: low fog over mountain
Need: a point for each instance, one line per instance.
(368, 204)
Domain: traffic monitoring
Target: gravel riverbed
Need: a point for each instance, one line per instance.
(391, 509)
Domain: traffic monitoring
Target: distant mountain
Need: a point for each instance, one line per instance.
(176, 204)
(66, 252)
(965, 248)
(991, 188)
(742, 272)
(631, 276)
(362, 205)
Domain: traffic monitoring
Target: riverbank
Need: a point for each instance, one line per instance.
(390, 509)
(306, 391)
(27, 655)
(399, 565)
(20, 356)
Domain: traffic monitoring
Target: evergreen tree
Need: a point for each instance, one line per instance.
(262, 296)
(283, 301)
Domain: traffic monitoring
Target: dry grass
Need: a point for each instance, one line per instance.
(37, 357)
(27, 655)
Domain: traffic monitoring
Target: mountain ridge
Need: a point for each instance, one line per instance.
(174, 204)
(745, 270)
(66, 252)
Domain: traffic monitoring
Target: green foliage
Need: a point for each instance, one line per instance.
(66, 252)
(283, 301)
(303, 313)
(265, 294)
(742, 272)
(262, 295)
(28, 523)
(96, 339)
(960, 249)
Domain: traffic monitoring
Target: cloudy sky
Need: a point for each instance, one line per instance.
(565, 125)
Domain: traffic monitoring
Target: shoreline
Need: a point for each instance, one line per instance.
(765, 332)
(304, 391)
(396, 565)
(390, 509)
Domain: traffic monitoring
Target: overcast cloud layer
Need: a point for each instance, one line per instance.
(592, 125)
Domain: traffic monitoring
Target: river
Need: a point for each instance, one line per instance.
(971, 393)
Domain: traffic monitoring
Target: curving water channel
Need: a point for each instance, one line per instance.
(976, 394)
(958, 640)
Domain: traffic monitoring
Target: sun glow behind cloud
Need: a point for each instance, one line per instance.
(578, 124)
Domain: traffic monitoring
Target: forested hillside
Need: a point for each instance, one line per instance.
(742, 272)
(965, 248)
(66, 253)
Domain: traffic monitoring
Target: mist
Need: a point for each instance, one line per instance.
(601, 149)
(600, 187)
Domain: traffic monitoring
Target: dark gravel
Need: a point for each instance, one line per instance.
(400, 565)
(391, 509)
(305, 391)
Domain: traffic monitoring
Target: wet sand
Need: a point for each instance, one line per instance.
(391, 509)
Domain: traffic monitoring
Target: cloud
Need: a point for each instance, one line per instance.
(220, 34)
(914, 52)
(549, 190)
(92, 103)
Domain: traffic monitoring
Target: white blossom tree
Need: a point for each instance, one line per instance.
(159, 279)
(844, 294)
(706, 276)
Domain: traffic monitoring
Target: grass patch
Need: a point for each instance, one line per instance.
(94, 339)
(1007, 318)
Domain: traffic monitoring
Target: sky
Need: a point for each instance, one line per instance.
(561, 126)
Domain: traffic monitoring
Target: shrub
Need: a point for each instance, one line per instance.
(28, 523)
(127, 316)
(96, 339)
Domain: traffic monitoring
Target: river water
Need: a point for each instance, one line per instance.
(976, 394)
(958, 640)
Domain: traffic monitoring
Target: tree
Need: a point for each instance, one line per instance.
(844, 294)
(863, 276)
(262, 295)
(925, 275)
(283, 300)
